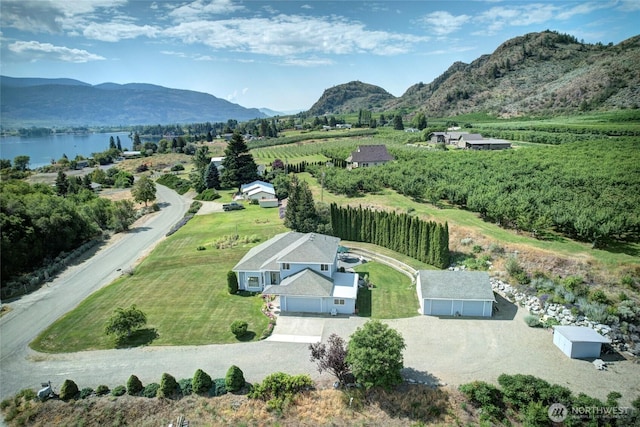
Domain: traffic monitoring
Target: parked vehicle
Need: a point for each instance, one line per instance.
(233, 206)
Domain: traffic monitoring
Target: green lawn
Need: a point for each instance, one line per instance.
(183, 291)
(393, 296)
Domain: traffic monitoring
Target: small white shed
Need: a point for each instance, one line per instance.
(578, 342)
(455, 293)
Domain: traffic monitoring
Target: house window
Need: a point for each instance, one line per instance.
(338, 302)
(286, 266)
(253, 282)
(324, 267)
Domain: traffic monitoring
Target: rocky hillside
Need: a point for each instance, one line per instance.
(350, 97)
(64, 102)
(536, 73)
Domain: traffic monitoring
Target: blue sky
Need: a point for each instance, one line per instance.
(280, 54)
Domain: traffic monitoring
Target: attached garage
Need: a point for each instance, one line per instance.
(309, 291)
(455, 293)
(578, 342)
(300, 304)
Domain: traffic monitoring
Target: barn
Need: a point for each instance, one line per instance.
(578, 342)
(455, 293)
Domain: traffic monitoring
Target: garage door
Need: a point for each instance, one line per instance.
(440, 307)
(473, 308)
(304, 305)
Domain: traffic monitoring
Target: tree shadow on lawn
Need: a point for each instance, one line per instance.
(628, 248)
(139, 338)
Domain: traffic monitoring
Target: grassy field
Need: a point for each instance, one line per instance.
(393, 295)
(183, 291)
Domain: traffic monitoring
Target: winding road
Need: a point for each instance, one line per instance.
(32, 313)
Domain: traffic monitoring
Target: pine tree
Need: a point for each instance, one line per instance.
(212, 177)
(239, 166)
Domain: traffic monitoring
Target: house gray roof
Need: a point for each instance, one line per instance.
(291, 247)
(471, 136)
(580, 334)
(370, 153)
(304, 283)
(458, 285)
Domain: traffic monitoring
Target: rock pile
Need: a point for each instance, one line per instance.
(551, 313)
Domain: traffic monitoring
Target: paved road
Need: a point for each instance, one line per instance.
(32, 313)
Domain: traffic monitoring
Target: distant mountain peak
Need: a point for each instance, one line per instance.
(350, 97)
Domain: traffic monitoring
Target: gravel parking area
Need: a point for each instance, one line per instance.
(454, 351)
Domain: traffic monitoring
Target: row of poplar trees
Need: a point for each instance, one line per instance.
(426, 241)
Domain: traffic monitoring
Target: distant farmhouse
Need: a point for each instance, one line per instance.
(217, 162)
(368, 156)
(261, 191)
(473, 141)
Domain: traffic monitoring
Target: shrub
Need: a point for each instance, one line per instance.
(168, 386)
(220, 386)
(201, 248)
(532, 321)
(134, 385)
(194, 208)
(239, 328)
(485, 396)
(119, 391)
(278, 389)
(496, 249)
(477, 249)
(201, 382)
(234, 380)
(151, 390)
(186, 386)
(69, 390)
(86, 392)
(177, 167)
(208, 195)
(102, 389)
(232, 282)
(599, 296)
(516, 271)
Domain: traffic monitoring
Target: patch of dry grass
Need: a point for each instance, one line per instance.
(409, 405)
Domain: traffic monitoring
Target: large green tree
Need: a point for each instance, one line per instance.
(301, 214)
(124, 321)
(374, 354)
(212, 176)
(239, 166)
(144, 190)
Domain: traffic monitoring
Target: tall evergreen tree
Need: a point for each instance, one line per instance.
(112, 142)
(62, 184)
(202, 158)
(397, 122)
(239, 166)
(118, 143)
(212, 177)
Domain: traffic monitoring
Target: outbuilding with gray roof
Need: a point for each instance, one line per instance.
(455, 293)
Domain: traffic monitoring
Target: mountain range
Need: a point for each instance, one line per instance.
(538, 73)
(28, 102)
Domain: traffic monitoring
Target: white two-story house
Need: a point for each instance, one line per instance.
(301, 269)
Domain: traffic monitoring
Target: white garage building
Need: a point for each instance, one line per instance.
(578, 342)
(455, 293)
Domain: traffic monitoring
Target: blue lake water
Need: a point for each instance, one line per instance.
(43, 149)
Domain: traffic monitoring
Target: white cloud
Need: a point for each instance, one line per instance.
(199, 8)
(629, 5)
(36, 50)
(116, 31)
(442, 23)
(49, 15)
(292, 35)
